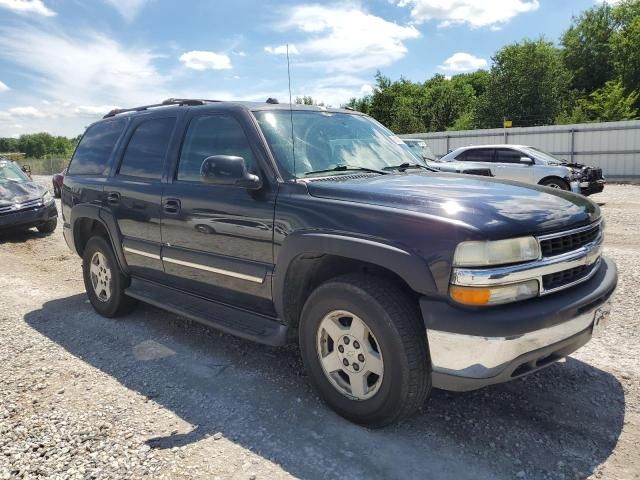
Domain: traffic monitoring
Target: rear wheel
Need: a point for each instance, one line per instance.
(103, 280)
(49, 226)
(364, 345)
(557, 183)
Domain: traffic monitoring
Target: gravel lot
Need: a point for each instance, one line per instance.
(154, 396)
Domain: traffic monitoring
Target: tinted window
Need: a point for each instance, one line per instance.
(208, 136)
(477, 155)
(145, 153)
(95, 148)
(506, 155)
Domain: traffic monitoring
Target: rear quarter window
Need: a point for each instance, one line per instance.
(95, 149)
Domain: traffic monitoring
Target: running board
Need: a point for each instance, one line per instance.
(241, 323)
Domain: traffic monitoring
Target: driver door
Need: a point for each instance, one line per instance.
(218, 238)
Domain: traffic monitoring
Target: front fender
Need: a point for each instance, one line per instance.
(408, 266)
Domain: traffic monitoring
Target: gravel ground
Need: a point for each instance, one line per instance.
(154, 396)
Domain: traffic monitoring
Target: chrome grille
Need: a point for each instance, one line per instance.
(552, 245)
(566, 277)
(20, 207)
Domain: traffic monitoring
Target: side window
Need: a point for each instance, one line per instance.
(478, 155)
(506, 155)
(95, 148)
(146, 151)
(212, 135)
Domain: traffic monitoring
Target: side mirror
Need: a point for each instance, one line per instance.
(526, 160)
(228, 170)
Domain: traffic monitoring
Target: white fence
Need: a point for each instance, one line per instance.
(613, 146)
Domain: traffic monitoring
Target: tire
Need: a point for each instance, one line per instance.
(396, 329)
(99, 265)
(556, 183)
(49, 226)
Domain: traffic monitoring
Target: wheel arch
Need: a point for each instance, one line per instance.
(553, 177)
(307, 260)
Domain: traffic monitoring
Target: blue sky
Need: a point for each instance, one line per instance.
(63, 63)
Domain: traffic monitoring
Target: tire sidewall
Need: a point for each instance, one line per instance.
(393, 389)
(110, 307)
(559, 182)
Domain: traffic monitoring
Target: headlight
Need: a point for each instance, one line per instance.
(498, 252)
(479, 296)
(46, 198)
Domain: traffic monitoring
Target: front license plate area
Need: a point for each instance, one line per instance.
(600, 319)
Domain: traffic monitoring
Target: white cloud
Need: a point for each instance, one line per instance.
(201, 60)
(3, 87)
(282, 50)
(27, 6)
(610, 2)
(87, 68)
(346, 38)
(129, 9)
(462, 62)
(93, 110)
(476, 13)
(366, 89)
(26, 112)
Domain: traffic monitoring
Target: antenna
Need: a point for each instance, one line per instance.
(293, 141)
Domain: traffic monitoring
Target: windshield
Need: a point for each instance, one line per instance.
(544, 156)
(324, 141)
(10, 172)
(422, 149)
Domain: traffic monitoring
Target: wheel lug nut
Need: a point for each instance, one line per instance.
(356, 344)
(340, 348)
(345, 362)
(346, 340)
(356, 367)
(361, 358)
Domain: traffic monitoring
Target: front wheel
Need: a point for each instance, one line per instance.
(364, 346)
(556, 183)
(103, 280)
(49, 226)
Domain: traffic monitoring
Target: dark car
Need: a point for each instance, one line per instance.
(57, 180)
(293, 223)
(24, 203)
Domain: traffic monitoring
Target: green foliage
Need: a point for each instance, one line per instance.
(593, 76)
(40, 145)
(529, 85)
(307, 100)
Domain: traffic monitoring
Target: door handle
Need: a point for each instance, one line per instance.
(113, 198)
(171, 205)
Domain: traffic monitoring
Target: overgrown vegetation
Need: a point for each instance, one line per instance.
(593, 75)
(39, 145)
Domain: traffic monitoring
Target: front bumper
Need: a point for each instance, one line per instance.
(589, 187)
(28, 218)
(472, 348)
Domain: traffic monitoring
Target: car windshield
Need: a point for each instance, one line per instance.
(325, 141)
(544, 156)
(10, 172)
(422, 149)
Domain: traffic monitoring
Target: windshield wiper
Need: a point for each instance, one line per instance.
(404, 166)
(344, 168)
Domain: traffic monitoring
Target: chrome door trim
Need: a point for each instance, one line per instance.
(141, 253)
(228, 273)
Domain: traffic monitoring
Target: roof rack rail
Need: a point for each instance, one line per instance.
(167, 102)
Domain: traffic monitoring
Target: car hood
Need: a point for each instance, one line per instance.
(496, 208)
(12, 192)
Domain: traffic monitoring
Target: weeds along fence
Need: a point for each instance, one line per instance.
(44, 166)
(613, 146)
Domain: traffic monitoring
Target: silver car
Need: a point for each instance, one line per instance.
(530, 165)
(421, 150)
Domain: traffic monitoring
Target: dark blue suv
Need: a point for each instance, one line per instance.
(282, 223)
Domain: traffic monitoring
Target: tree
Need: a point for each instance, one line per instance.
(308, 100)
(444, 101)
(529, 84)
(587, 51)
(625, 45)
(607, 104)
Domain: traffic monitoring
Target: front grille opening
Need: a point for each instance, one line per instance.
(567, 243)
(532, 365)
(565, 277)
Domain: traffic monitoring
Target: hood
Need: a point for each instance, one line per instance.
(12, 192)
(497, 208)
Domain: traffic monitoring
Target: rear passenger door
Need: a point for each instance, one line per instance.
(218, 239)
(479, 157)
(508, 165)
(134, 193)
